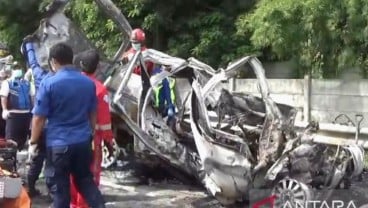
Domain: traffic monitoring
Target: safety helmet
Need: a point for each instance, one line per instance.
(137, 35)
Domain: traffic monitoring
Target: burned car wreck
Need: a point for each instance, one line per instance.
(230, 142)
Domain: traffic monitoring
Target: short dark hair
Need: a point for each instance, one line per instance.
(62, 53)
(87, 61)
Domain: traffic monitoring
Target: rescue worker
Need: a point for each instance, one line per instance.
(137, 40)
(88, 62)
(165, 96)
(3, 77)
(38, 74)
(17, 101)
(68, 101)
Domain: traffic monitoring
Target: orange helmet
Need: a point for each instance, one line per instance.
(137, 35)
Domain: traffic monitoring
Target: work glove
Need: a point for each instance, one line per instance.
(5, 114)
(32, 150)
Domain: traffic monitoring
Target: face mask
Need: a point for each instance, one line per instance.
(136, 46)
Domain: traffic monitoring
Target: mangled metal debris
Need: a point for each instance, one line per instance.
(230, 142)
(241, 142)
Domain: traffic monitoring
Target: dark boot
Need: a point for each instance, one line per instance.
(33, 192)
(31, 183)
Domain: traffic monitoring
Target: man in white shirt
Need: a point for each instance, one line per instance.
(17, 97)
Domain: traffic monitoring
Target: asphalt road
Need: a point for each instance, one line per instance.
(171, 193)
(158, 195)
(167, 194)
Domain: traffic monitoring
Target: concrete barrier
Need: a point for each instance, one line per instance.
(318, 100)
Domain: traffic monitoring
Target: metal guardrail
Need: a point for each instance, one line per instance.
(335, 128)
(345, 133)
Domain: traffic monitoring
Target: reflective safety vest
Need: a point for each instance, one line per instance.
(19, 97)
(158, 90)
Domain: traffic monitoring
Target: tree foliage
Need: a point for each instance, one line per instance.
(17, 18)
(324, 37)
(183, 28)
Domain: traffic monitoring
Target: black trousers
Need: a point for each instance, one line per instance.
(75, 159)
(37, 163)
(2, 125)
(17, 128)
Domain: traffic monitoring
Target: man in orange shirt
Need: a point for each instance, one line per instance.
(88, 62)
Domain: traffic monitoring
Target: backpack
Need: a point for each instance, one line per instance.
(19, 97)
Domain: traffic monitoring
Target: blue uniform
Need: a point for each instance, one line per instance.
(38, 75)
(165, 105)
(38, 72)
(19, 94)
(165, 95)
(66, 99)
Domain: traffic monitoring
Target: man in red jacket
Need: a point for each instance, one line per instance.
(137, 39)
(88, 62)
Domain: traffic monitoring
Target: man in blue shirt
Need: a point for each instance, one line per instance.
(38, 73)
(67, 100)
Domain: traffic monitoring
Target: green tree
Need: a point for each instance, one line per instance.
(184, 28)
(98, 28)
(17, 19)
(205, 30)
(324, 37)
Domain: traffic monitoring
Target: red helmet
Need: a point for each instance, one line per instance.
(137, 35)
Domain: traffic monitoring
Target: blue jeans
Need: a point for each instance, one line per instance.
(61, 161)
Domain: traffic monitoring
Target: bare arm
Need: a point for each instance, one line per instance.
(32, 93)
(38, 123)
(4, 92)
(4, 102)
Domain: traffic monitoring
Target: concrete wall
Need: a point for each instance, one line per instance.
(286, 91)
(320, 100)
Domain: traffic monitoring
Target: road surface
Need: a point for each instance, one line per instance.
(157, 195)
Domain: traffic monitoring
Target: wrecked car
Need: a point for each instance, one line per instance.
(230, 142)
